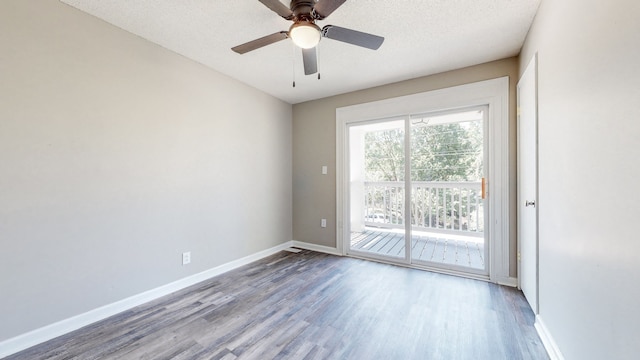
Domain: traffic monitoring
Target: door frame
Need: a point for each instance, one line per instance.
(493, 93)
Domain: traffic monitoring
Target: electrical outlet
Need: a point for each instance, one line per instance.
(186, 257)
(323, 223)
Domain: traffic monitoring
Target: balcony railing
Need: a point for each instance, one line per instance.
(445, 207)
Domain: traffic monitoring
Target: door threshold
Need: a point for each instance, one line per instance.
(433, 269)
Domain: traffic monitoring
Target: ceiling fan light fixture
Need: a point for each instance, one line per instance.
(305, 35)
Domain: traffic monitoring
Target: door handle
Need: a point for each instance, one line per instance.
(530, 203)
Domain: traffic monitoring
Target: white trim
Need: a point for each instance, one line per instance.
(510, 281)
(318, 248)
(494, 93)
(474, 94)
(547, 340)
(498, 183)
(37, 336)
(341, 168)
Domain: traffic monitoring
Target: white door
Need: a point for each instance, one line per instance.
(528, 184)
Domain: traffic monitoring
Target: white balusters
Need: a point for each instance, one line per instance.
(435, 206)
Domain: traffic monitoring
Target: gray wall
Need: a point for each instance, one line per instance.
(314, 145)
(116, 156)
(589, 135)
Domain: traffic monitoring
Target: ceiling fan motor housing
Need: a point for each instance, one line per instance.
(302, 9)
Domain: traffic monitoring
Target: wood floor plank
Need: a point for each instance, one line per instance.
(435, 249)
(310, 305)
(391, 242)
(381, 241)
(398, 249)
(372, 238)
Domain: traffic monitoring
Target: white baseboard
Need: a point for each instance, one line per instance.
(547, 340)
(315, 247)
(35, 337)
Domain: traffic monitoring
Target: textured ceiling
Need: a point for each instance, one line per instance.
(422, 37)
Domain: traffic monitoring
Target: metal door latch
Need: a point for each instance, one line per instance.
(530, 203)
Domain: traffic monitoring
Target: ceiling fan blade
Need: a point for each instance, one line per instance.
(353, 37)
(279, 8)
(258, 43)
(324, 8)
(310, 61)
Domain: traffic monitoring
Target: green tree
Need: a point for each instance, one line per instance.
(449, 152)
(384, 155)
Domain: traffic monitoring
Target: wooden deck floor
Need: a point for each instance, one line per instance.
(435, 248)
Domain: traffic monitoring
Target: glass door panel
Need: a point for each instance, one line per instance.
(447, 176)
(377, 189)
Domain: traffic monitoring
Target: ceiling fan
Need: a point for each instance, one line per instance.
(306, 34)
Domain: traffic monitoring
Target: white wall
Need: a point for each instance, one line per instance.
(589, 202)
(116, 156)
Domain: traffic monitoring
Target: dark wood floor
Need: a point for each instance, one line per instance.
(315, 306)
(465, 251)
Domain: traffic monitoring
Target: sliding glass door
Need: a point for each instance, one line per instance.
(416, 193)
(377, 189)
(447, 199)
